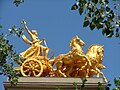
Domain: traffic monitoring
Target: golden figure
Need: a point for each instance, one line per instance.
(35, 63)
(36, 48)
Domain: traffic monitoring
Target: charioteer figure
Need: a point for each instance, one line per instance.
(36, 48)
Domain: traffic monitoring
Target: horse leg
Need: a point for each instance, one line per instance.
(98, 75)
(61, 73)
(87, 68)
(87, 65)
(59, 69)
(99, 72)
(69, 70)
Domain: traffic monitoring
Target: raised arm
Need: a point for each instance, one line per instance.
(29, 32)
(26, 40)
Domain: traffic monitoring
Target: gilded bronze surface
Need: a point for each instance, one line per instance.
(75, 63)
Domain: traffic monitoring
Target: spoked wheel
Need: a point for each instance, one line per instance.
(32, 67)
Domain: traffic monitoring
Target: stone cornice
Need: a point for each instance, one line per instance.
(43, 83)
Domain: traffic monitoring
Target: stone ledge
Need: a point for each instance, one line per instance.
(50, 83)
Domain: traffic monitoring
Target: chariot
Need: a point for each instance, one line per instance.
(36, 61)
(36, 66)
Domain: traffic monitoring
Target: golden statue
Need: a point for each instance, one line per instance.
(36, 48)
(75, 63)
(66, 63)
(35, 64)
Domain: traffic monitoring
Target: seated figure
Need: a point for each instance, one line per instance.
(36, 48)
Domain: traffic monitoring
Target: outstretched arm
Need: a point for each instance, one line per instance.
(26, 40)
(29, 32)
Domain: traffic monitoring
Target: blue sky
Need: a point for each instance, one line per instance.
(55, 21)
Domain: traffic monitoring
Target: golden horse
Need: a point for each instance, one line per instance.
(76, 64)
(95, 55)
(65, 63)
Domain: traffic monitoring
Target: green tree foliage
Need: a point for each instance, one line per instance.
(8, 57)
(0, 26)
(117, 84)
(16, 31)
(18, 2)
(98, 14)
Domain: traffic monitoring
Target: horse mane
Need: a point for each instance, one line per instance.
(92, 46)
(90, 53)
(71, 42)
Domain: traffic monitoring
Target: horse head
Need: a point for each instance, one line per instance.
(79, 41)
(95, 53)
(100, 52)
(76, 42)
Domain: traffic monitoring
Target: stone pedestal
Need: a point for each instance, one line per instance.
(54, 83)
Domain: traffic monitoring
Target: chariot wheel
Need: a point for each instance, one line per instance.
(32, 67)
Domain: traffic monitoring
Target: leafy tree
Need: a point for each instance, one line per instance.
(8, 57)
(98, 14)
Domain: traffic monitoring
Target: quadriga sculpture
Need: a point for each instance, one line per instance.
(75, 63)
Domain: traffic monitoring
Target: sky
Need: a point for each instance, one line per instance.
(58, 24)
